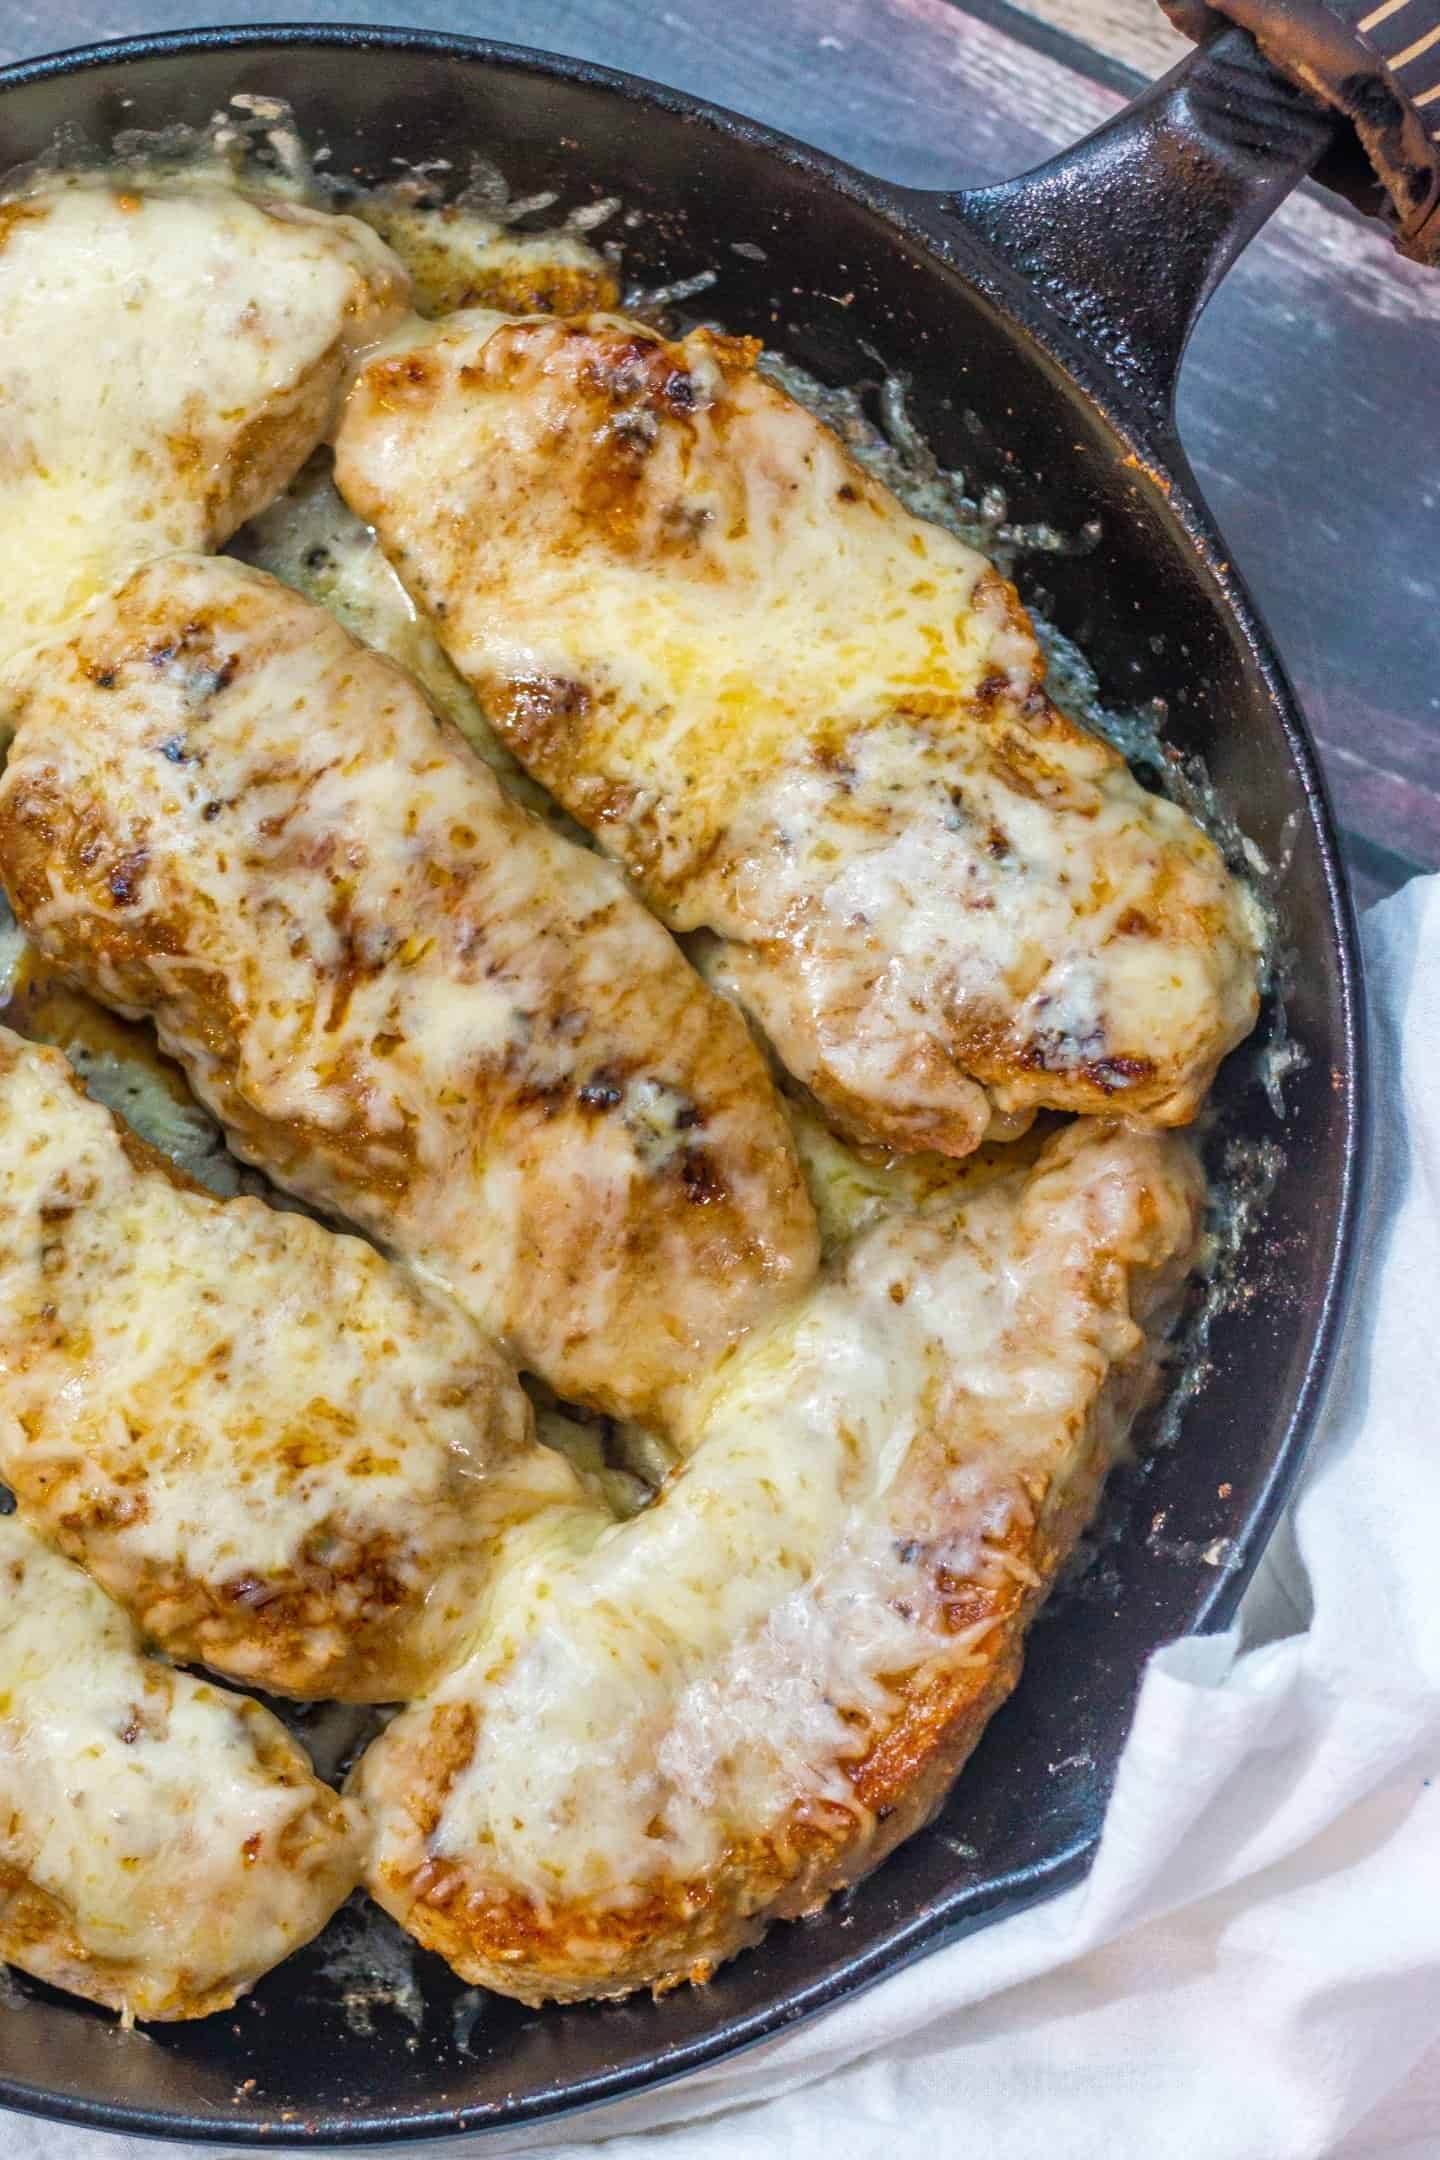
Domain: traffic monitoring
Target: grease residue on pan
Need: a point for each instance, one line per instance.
(372, 1967)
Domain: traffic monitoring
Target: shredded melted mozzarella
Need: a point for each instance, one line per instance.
(804, 719)
(647, 1697)
(906, 838)
(405, 998)
(278, 1454)
(170, 358)
(162, 1843)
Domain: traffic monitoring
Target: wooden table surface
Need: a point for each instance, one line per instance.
(1310, 400)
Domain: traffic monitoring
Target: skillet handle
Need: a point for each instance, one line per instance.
(1127, 235)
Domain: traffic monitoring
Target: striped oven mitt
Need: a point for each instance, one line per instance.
(1375, 62)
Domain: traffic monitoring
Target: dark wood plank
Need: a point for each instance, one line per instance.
(1310, 399)
(1132, 31)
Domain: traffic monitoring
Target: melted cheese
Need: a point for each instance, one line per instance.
(162, 1843)
(647, 1701)
(169, 360)
(855, 1188)
(459, 258)
(403, 996)
(804, 719)
(310, 540)
(278, 1455)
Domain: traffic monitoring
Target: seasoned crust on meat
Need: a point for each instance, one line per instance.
(285, 1460)
(168, 359)
(459, 258)
(672, 1732)
(805, 720)
(649, 1716)
(162, 1843)
(404, 997)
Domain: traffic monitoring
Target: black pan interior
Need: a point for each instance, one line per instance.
(849, 281)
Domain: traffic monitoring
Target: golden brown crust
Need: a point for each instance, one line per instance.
(664, 1927)
(458, 259)
(38, 1935)
(44, 1007)
(805, 721)
(476, 1006)
(112, 950)
(578, 1953)
(271, 447)
(323, 1628)
(281, 1458)
(125, 929)
(162, 1842)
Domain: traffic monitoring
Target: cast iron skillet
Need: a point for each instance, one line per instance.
(1042, 323)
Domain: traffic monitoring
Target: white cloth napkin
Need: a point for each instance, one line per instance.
(1252, 1970)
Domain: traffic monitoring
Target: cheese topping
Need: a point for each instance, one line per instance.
(169, 360)
(865, 1478)
(162, 1843)
(855, 1188)
(404, 997)
(278, 1455)
(802, 718)
(311, 540)
(459, 258)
